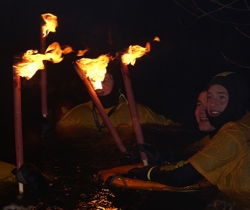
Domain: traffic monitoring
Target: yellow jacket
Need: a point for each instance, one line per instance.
(82, 116)
(197, 146)
(225, 161)
(5, 172)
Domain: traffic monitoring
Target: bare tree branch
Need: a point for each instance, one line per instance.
(241, 32)
(185, 8)
(240, 12)
(204, 14)
(227, 59)
(230, 7)
(213, 11)
(246, 4)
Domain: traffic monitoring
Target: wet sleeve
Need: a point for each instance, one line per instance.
(179, 177)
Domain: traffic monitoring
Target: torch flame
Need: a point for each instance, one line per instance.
(50, 24)
(134, 52)
(157, 39)
(95, 69)
(54, 52)
(33, 61)
(81, 52)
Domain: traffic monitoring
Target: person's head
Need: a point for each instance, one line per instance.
(227, 97)
(200, 113)
(107, 85)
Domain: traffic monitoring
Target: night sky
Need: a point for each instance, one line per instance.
(167, 79)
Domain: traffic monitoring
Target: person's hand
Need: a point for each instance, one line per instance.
(152, 153)
(29, 174)
(141, 173)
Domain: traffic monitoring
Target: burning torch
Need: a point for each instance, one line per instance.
(92, 71)
(129, 57)
(29, 63)
(49, 26)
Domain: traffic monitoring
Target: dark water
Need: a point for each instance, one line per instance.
(71, 163)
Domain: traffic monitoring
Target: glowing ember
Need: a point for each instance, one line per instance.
(133, 53)
(33, 61)
(50, 24)
(95, 69)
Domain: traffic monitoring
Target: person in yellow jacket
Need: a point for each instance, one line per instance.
(224, 161)
(172, 156)
(203, 124)
(86, 115)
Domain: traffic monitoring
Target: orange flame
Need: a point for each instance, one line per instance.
(81, 52)
(133, 53)
(33, 61)
(157, 39)
(50, 24)
(95, 69)
(54, 53)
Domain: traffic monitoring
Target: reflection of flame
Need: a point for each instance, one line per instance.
(50, 24)
(134, 52)
(32, 61)
(95, 69)
(101, 199)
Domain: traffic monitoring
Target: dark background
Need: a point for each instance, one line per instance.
(167, 79)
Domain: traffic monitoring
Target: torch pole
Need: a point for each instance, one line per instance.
(100, 108)
(43, 79)
(18, 122)
(133, 110)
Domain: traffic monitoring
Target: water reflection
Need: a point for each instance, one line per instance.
(71, 165)
(99, 200)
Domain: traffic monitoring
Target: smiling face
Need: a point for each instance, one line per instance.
(107, 85)
(200, 113)
(217, 100)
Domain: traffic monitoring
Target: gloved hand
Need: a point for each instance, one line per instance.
(152, 153)
(29, 174)
(141, 173)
